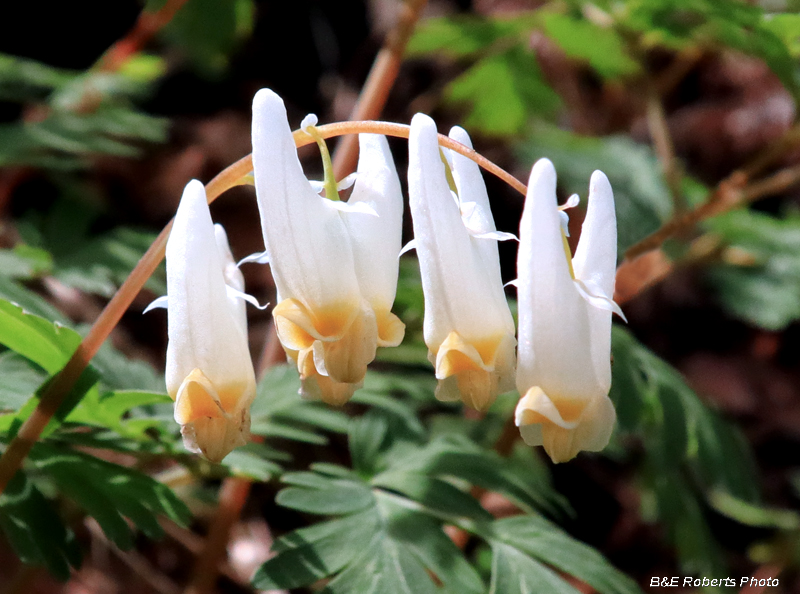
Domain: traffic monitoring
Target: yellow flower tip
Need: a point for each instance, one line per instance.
(476, 371)
(213, 421)
(331, 347)
(564, 426)
(320, 387)
(391, 330)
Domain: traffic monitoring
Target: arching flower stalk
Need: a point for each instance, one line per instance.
(468, 327)
(334, 263)
(565, 306)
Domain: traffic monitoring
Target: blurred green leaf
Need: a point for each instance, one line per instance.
(254, 461)
(24, 262)
(514, 572)
(278, 410)
(20, 380)
(719, 24)
(602, 48)
(23, 79)
(504, 92)
(762, 284)
(641, 197)
(209, 30)
(464, 36)
(35, 531)
(547, 543)
(109, 492)
(29, 301)
(101, 264)
(315, 494)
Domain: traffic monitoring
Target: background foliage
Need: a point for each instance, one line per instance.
(397, 492)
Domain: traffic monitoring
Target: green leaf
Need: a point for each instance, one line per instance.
(24, 262)
(367, 434)
(30, 301)
(20, 380)
(602, 48)
(278, 410)
(463, 36)
(549, 544)
(209, 31)
(118, 372)
(46, 344)
(424, 538)
(504, 91)
(641, 197)
(310, 554)
(435, 494)
(316, 494)
(514, 572)
(101, 264)
(35, 531)
(23, 80)
(254, 461)
(762, 284)
(108, 492)
(383, 567)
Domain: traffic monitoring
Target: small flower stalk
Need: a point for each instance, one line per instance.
(334, 263)
(468, 326)
(209, 372)
(565, 307)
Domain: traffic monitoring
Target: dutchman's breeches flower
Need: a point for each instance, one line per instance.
(334, 263)
(565, 306)
(468, 327)
(209, 372)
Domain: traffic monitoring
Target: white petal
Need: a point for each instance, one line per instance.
(308, 243)
(160, 302)
(460, 275)
(495, 235)
(593, 294)
(352, 207)
(347, 182)
(411, 245)
(595, 264)
(240, 295)
(258, 258)
(376, 239)
(204, 330)
(554, 336)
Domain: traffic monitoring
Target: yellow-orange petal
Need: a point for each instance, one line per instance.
(564, 426)
(390, 329)
(321, 387)
(476, 371)
(345, 360)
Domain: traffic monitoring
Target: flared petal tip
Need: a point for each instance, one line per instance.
(599, 183)
(564, 433)
(216, 437)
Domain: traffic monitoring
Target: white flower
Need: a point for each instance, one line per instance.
(564, 366)
(334, 263)
(468, 327)
(209, 372)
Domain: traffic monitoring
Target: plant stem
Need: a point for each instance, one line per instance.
(379, 83)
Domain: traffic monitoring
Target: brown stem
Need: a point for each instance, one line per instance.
(379, 83)
(232, 498)
(146, 26)
(665, 150)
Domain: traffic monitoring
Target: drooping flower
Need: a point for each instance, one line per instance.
(468, 327)
(565, 306)
(334, 263)
(209, 371)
